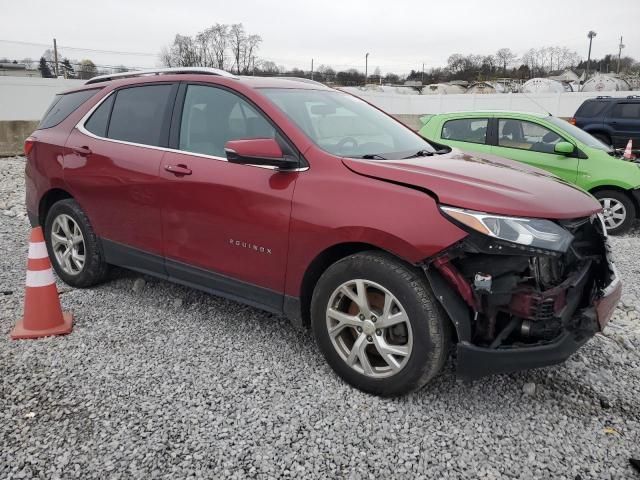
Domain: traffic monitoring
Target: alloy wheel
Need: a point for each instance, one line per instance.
(67, 243)
(614, 212)
(369, 328)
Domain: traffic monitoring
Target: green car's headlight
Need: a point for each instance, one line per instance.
(531, 232)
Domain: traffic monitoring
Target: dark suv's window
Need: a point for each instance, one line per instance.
(139, 114)
(473, 130)
(63, 105)
(626, 110)
(212, 116)
(591, 109)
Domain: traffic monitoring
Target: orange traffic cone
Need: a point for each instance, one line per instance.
(42, 313)
(628, 152)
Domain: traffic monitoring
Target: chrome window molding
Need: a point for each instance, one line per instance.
(81, 128)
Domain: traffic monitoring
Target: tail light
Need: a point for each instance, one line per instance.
(572, 121)
(29, 143)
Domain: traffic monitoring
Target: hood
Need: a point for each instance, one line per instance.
(484, 183)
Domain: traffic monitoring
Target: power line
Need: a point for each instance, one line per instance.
(80, 49)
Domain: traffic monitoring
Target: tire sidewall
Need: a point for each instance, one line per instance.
(628, 205)
(93, 256)
(426, 325)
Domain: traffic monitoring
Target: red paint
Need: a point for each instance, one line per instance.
(255, 148)
(198, 217)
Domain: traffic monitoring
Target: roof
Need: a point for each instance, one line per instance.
(493, 112)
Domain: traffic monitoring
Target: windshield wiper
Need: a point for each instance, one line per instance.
(421, 153)
(372, 156)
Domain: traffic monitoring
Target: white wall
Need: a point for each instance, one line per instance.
(27, 98)
(24, 98)
(559, 104)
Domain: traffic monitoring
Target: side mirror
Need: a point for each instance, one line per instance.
(564, 148)
(258, 151)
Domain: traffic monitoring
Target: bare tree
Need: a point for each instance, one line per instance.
(237, 38)
(505, 57)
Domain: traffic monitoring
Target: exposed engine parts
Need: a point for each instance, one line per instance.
(519, 298)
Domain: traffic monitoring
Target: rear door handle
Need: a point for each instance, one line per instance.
(178, 169)
(83, 151)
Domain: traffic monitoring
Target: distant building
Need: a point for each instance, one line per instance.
(568, 75)
(17, 70)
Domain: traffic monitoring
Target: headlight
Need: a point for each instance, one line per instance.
(532, 232)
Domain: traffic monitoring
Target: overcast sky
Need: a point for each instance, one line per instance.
(398, 34)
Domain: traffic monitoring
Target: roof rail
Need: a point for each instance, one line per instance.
(303, 80)
(603, 96)
(633, 96)
(160, 71)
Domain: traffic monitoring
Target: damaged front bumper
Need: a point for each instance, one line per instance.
(508, 321)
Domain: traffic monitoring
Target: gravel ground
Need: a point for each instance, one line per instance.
(161, 381)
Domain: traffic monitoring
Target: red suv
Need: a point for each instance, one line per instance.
(310, 203)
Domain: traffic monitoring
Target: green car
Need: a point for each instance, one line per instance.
(552, 144)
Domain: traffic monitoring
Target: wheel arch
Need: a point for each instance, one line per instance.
(48, 200)
(622, 190)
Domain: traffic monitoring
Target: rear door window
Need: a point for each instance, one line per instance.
(140, 114)
(98, 122)
(629, 111)
(591, 109)
(63, 105)
(472, 130)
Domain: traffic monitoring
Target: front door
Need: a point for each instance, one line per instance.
(534, 144)
(225, 225)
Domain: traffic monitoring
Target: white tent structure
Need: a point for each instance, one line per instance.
(543, 85)
(442, 89)
(605, 83)
(486, 87)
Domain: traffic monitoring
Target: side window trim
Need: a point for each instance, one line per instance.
(176, 121)
(167, 115)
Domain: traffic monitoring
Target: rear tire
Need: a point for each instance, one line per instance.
(619, 211)
(397, 342)
(74, 249)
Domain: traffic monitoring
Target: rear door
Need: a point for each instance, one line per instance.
(466, 134)
(226, 226)
(624, 121)
(532, 143)
(113, 171)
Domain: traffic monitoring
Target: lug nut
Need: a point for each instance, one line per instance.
(361, 317)
(373, 318)
(359, 329)
(369, 338)
(378, 332)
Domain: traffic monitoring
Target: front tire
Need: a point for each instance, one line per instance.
(378, 324)
(619, 211)
(74, 248)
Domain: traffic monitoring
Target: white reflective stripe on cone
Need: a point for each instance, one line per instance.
(37, 250)
(40, 278)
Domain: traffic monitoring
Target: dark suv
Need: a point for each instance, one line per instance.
(612, 120)
(310, 203)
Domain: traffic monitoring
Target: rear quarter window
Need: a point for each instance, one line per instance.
(472, 130)
(591, 109)
(63, 105)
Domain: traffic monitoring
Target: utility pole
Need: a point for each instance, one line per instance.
(55, 57)
(620, 47)
(312, 69)
(590, 36)
(366, 67)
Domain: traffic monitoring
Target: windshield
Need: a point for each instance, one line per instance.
(344, 125)
(579, 134)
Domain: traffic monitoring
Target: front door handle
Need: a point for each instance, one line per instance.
(178, 169)
(83, 151)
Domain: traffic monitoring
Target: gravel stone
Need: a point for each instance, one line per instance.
(216, 389)
(529, 388)
(138, 285)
